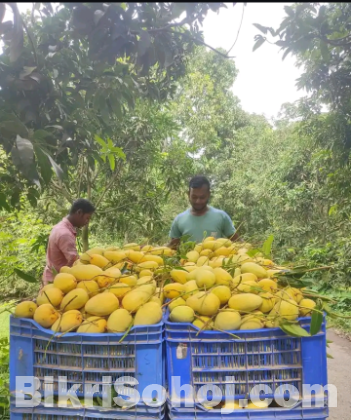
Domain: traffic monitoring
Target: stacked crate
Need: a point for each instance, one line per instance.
(230, 367)
(85, 359)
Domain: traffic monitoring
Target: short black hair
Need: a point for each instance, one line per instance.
(82, 204)
(199, 181)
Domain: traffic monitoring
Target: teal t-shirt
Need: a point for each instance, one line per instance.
(214, 223)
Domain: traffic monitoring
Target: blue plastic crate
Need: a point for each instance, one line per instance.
(84, 414)
(235, 366)
(298, 413)
(86, 358)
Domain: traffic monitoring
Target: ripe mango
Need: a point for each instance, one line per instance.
(306, 306)
(189, 289)
(45, 315)
(93, 325)
(53, 295)
(203, 323)
(173, 290)
(250, 267)
(92, 251)
(65, 269)
(69, 321)
(130, 280)
(248, 286)
(193, 300)
(119, 321)
(192, 256)
(90, 286)
(287, 309)
(205, 279)
(177, 302)
(208, 305)
(99, 260)
(86, 272)
(155, 258)
(268, 285)
(182, 314)
(246, 302)
(135, 256)
(115, 256)
(135, 298)
(223, 293)
(148, 314)
(75, 299)
(102, 304)
(202, 261)
(243, 278)
(119, 290)
(25, 309)
(228, 321)
(268, 302)
(222, 276)
(65, 282)
(179, 276)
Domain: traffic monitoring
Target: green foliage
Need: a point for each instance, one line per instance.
(60, 88)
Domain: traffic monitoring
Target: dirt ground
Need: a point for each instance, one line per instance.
(339, 374)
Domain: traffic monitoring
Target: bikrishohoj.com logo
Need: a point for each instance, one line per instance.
(31, 392)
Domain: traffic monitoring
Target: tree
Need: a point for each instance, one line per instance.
(59, 88)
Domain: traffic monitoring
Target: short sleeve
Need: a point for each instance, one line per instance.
(175, 232)
(67, 245)
(228, 226)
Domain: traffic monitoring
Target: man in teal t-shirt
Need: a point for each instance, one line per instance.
(201, 220)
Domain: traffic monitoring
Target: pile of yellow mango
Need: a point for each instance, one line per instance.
(217, 286)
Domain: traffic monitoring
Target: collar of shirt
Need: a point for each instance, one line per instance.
(69, 226)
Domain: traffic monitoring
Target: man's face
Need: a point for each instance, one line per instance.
(199, 197)
(82, 219)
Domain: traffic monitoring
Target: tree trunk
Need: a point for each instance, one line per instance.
(85, 238)
(85, 233)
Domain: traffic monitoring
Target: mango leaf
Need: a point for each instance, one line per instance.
(56, 167)
(253, 252)
(22, 154)
(316, 321)
(259, 41)
(112, 161)
(261, 28)
(25, 276)
(293, 329)
(267, 246)
(329, 356)
(44, 164)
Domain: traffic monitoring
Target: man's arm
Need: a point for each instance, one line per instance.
(229, 229)
(67, 245)
(175, 235)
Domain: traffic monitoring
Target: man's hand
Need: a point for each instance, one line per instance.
(174, 244)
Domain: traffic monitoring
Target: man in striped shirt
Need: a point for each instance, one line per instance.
(62, 241)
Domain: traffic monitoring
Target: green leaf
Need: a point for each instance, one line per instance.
(316, 322)
(261, 28)
(259, 42)
(329, 356)
(293, 329)
(267, 246)
(100, 141)
(22, 154)
(253, 252)
(325, 51)
(57, 168)
(44, 164)
(25, 276)
(112, 161)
